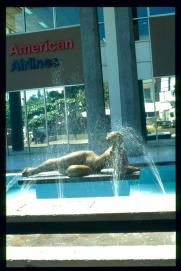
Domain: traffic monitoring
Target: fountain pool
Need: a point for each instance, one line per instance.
(101, 187)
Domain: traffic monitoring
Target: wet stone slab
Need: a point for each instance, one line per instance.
(103, 239)
(55, 176)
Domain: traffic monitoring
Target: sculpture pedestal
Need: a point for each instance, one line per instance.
(55, 176)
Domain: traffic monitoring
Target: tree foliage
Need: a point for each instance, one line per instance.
(55, 109)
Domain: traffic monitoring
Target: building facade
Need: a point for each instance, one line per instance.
(138, 82)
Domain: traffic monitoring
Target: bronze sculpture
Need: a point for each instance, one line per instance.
(81, 163)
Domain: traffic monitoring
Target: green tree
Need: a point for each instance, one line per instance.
(76, 104)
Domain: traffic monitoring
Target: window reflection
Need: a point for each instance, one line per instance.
(36, 118)
(149, 109)
(161, 10)
(139, 12)
(38, 18)
(101, 31)
(8, 122)
(159, 103)
(140, 29)
(76, 114)
(14, 20)
(67, 16)
(100, 15)
(165, 104)
(56, 118)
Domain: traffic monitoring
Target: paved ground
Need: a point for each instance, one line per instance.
(17, 161)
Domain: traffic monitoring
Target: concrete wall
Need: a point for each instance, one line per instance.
(125, 104)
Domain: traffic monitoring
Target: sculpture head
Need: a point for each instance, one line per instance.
(115, 139)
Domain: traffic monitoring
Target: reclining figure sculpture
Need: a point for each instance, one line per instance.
(85, 162)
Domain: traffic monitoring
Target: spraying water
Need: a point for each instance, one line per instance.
(12, 183)
(25, 187)
(60, 189)
(118, 168)
(154, 169)
(134, 145)
(115, 184)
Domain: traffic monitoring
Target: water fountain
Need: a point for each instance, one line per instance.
(114, 156)
(132, 143)
(135, 146)
(154, 170)
(117, 168)
(12, 183)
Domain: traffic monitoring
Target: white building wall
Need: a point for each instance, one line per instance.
(110, 60)
(104, 62)
(143, 59)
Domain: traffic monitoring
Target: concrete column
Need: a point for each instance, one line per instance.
(16, 121)
(122, 70)
(93, 79)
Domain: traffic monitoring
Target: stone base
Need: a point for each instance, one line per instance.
(55, 176)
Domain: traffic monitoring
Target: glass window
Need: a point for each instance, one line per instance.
(140, 29)
(149, 109)
(139, 12)
(165, 103)
(147, 95)
(67, 16)
(76, 114)
(8, 123)
(56, 115)
(36, 118)
(66, 115)
(9, 127)
(161, 10)
(14, 20)
(100, 15)
(101, 31)
(38, 18)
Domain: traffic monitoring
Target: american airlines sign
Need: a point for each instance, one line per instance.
(34, 63)
(44, 59)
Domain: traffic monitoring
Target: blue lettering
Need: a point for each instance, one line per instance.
(48, 63)
(40, 64)
(22, 65)
(15, 65)
(28, 64)
(32, 63)
(55, 62)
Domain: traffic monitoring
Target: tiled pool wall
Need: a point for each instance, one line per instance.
(146, 184)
